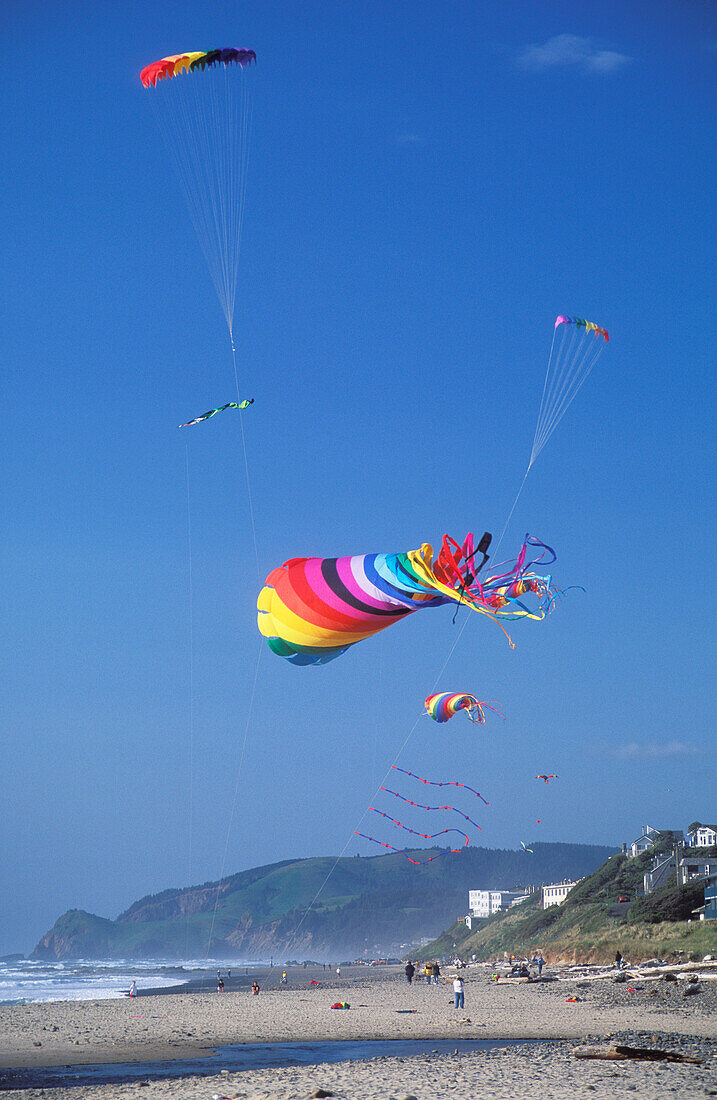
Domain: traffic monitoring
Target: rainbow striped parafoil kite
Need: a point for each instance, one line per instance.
(443, 706)
(589, 326)
(312, 609)
(167, 67)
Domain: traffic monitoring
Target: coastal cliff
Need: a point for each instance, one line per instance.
(371, 906)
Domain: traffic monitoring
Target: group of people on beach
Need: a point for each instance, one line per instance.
(432, 972)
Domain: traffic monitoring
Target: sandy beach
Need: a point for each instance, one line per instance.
(643, 1011)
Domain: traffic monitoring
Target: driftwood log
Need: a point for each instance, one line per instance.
(641, 1054)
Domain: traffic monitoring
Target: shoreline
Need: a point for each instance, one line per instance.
(170, 1025)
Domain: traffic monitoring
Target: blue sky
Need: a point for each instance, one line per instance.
(430, 184)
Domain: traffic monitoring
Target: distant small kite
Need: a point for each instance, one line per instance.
(213, 412)
(547, 778)
(525, 849)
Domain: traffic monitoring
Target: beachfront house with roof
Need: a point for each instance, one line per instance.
(691, 867)
(701, 836)
(662, 872)
(644, 842)
(556, 892)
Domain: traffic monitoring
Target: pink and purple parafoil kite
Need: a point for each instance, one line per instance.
(313, 609)
(589, 326)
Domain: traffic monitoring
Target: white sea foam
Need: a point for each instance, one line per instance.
(28, 980)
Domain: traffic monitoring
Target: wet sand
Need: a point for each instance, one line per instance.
(186, 1025)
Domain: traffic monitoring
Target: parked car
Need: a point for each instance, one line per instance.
(623, 897)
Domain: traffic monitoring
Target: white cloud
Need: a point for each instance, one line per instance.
(633, 751)
(572, 50)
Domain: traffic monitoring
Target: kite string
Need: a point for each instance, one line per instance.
(236, 793)
(385, 776)
(190, 602)
(191, 725)
(246, 466)
(258, 658)
(543, 439)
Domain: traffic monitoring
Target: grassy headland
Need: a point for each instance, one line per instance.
(591, 925)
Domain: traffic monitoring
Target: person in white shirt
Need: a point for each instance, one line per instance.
(458, 992)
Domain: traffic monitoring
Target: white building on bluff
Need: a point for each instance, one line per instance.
(483, 903)
(702, 836)
(557, 892)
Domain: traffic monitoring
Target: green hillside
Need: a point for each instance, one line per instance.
(590, 925)
(373, 905)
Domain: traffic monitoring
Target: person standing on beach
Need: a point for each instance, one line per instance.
(428, 972)
(410, 971)
(338, 971)
(458, 992)
(541, 963)
(436, 973)
(133, 990)
(220, 985)
(618, 960)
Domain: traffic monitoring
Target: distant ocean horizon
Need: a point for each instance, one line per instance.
(29, 981)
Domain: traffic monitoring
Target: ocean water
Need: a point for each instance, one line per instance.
(24, 981)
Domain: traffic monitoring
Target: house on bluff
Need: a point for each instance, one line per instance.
(644, 842)
(701, 836)
(556, 892)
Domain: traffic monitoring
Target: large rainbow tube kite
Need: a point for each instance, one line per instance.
(443, 706)
(312, 609)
